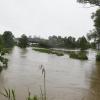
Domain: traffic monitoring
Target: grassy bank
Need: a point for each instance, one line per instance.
(49, 51)
(78, 55)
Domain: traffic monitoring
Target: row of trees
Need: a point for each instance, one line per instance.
(66, 42)
(8, 40)
(71, 42)
(55, 42)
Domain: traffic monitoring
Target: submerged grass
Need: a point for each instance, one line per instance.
(78, 55)
(49, 51)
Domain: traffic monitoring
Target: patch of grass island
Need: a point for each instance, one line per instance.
(49, 51)
(78, 55)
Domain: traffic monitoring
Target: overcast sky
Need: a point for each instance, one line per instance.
(45, 17)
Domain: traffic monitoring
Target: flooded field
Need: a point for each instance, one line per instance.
(66, 78)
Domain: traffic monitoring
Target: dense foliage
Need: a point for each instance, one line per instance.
(23, 41)
(66, 42)
(94, 2)
(83, 43)
(96, 15)
(79, 55)
(8, 39)
(96, 18)
(3, 51)
(95, 33)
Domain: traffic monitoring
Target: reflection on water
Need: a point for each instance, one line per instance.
(3, 67)
(23, 51)
(67, 79)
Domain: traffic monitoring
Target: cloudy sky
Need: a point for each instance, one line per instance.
(45, 17)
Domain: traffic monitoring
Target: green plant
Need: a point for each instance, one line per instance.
(79, 55)
(3, 60)
(30, 97)
(9, 94)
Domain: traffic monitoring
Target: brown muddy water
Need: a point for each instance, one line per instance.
(66, 78)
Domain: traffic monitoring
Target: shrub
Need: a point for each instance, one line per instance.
(79, 55)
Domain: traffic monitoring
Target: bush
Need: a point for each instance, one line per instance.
(79, 55)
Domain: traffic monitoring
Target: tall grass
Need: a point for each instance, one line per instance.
(10, 94)
(44, 81)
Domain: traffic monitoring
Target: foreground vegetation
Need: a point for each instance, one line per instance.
(49, 51)
(11, 95)
(4, 44)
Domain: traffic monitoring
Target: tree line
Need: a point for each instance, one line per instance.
(7, 40)
(66, 42)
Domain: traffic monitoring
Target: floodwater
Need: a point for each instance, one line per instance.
(66, 78)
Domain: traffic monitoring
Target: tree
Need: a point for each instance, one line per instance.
(23, 41)
(3, 51)
(95, 34)
(53, 41)
(8, 39)
(1, 42)
(82, 43)
(94, 2)
(70, 42)
(92, 35)
(96, 18)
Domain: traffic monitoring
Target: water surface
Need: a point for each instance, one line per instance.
(66, 79)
